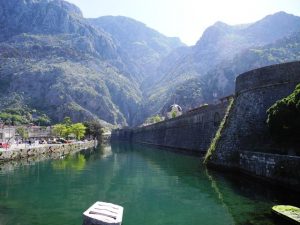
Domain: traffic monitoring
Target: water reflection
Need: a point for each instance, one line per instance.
(10, 166)
(249, 200)
(155, 187)
(105, 151)
(74, 162)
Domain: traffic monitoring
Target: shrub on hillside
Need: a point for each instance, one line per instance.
(284, 118)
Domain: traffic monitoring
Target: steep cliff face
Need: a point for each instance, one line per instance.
(141, 47)
(45, 17)
(60, 64)
(57, 62)
(119, 70)
(59, 80)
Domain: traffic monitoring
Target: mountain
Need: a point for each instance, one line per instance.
(52, 17)
(53, 77)
(221, 78)
(220, 47)
(220, 81)
(54, 61)
(141, 47)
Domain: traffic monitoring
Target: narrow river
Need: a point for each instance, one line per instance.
(154, 186)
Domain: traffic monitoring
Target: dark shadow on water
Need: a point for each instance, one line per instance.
(262, 193)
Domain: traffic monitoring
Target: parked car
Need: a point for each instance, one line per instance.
(63, 141)
(52, 142)
(42, 142)
(4, 145)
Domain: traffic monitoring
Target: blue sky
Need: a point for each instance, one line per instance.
(187, 19)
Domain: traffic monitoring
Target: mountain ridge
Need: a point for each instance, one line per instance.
(117, 69)
(54, 61)
(219, 43)
(143, 45)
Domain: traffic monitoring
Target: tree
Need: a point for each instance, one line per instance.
(78, 129)
(60, 130)
(22, 132)
(153, 119)
(43, 120)
(67, 121)
(284, 118)
(94, 129)
(174, 114)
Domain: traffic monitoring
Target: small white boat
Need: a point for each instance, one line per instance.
(103, 213)
(288, 212)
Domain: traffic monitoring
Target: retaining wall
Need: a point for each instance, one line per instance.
(61, 149)
(283, 169)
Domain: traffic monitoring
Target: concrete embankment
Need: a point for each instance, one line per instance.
(61, 149)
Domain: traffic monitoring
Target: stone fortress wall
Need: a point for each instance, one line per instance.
(245, 143)
(191, 131)
(256, 91)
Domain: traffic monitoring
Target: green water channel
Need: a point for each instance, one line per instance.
(155, 187)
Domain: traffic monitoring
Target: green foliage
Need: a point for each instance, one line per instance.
(284, 118)
(78, 129)
(13, 119)
(23, 116)
(60, 130)
(15, 116)
(67, 121)
(174, 114)
(66, 128)
(74, 162)
(212, 148)
(42, 120)
(63, 129)
(154, 119)
(22, 132)
(94, 129)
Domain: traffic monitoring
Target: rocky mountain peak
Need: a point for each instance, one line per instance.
(273, 27)
(266, 30)
(213, 33)
(221, 25)
(38, 16)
